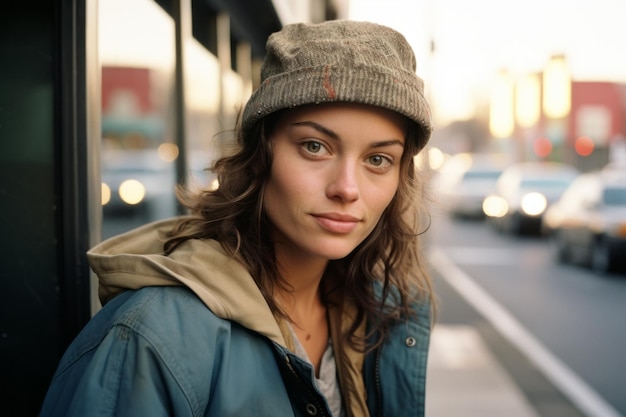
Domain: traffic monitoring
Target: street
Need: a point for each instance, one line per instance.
(564, 319)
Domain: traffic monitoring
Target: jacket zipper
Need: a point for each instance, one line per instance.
(379, 391)
(313, 395)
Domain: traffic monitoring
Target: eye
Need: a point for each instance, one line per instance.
(380, 161)
(314, 147)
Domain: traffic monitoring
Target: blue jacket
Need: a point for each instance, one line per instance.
(188, 335)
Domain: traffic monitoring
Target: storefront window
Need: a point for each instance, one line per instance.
(138, 152)
(140, 155)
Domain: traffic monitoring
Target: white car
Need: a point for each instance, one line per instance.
(464, 181)
(523, 193)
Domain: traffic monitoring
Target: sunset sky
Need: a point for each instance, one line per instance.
(475, 39)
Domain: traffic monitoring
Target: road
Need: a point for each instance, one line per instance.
(568, 319)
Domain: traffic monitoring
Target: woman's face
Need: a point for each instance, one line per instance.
(335, 169)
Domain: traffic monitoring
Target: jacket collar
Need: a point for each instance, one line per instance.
(135, 260)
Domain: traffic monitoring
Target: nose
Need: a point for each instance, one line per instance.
(343, 184)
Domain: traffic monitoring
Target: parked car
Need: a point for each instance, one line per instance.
(138, 183)
(588, 223)
(523, 192)
(464, 181)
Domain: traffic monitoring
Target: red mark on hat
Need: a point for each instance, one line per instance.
(330, 90)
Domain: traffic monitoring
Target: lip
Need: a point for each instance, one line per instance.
(337, 222)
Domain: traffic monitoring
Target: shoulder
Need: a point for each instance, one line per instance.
(164, 316)
(140, 346)
(159, 307)
(153, 309)
(165, 320)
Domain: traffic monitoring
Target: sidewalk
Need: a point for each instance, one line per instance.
(465, 379)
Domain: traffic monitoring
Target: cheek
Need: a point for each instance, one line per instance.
(381, 196)
(287, 185)
(283, 180)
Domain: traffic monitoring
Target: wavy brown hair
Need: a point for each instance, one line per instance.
(233, 214)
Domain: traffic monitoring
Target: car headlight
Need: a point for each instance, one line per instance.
(105, 194)
(132, 192)
(533, 204)
(495, 206)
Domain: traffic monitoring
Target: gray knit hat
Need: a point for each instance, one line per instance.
(340, 61)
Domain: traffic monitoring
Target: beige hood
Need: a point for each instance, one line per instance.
(135, 260)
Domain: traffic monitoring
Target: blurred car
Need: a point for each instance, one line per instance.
(138, 182)
(523, 192)
(588, 223)
(464, 181)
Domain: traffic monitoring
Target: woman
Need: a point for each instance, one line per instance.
(296, 288)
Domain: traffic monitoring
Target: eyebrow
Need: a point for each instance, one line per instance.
(333, 135)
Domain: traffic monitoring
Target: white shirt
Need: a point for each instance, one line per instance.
(327, 382)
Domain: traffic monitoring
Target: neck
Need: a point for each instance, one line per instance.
(301, 301)
(303, 276)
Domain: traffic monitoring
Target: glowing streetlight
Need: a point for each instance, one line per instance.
(557, 88)
(528, 100)
(501, 116)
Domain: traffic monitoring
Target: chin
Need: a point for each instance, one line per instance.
(334, 253)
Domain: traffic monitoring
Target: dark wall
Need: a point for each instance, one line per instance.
(39, 192)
